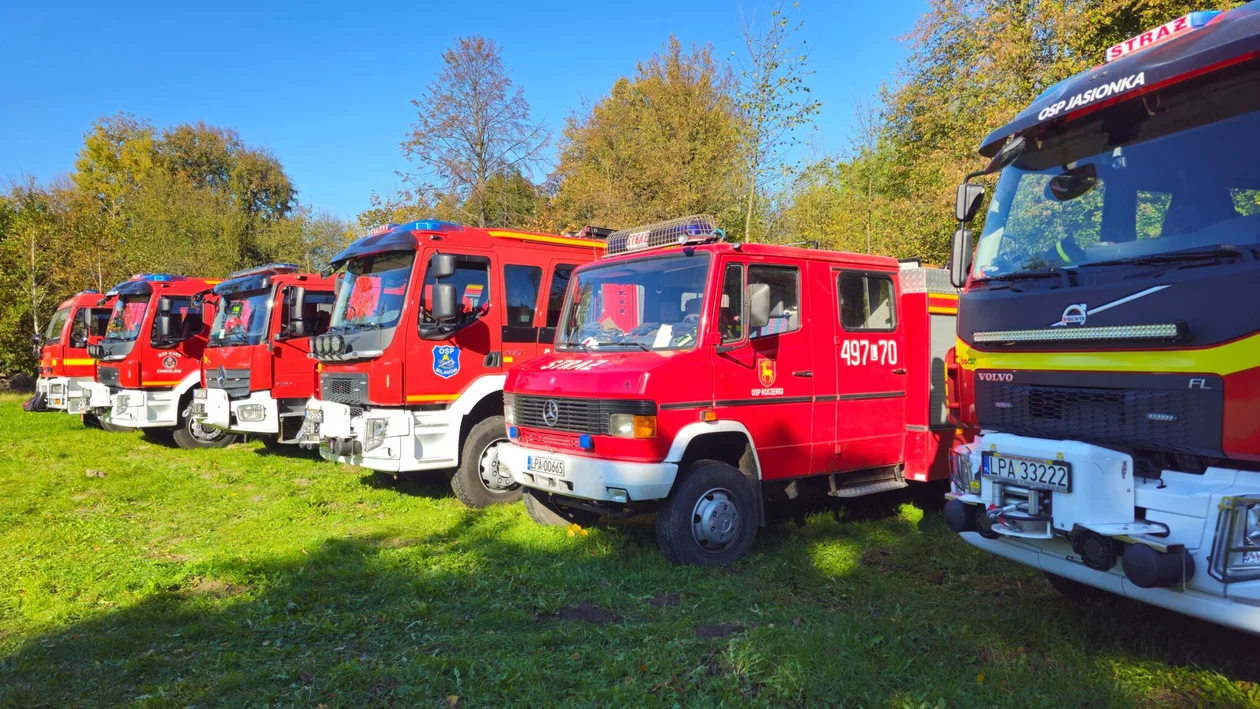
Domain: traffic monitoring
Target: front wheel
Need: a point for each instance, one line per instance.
(547, 513)
(709, 519)
(192, 434)
(479, 481)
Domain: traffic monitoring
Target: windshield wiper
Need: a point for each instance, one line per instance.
(363, 325)
(640, 345)
(1244, 253)
(571, 343)
(1028, 276)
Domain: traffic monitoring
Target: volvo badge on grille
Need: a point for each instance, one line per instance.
(1075, 314)
(551, 413)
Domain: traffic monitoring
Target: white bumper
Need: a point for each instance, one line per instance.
(63, 393)
(143, 408)
(94, 395)
(1179, 509)
(214, 408)
(385, 439)
(589, 478)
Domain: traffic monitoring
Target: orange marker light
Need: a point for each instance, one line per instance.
(708, 415)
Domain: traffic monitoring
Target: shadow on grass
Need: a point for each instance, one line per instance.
(429, 484)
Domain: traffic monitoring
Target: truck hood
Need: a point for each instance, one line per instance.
(616, 374)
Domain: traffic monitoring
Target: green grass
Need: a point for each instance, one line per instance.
(235, 578)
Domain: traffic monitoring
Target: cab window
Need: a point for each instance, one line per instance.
(472, 289)
(317, 307)
(522, 284)
(785, 299)
(866, 302)
(559, 286)
(731, 309)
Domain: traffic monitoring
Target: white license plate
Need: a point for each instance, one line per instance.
(1035, 473)
(546, 466)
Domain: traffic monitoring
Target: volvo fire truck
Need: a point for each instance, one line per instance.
(256, 372)
(1108, 339)
(698, 378)
(149, 361)
(428, 318)
(62, 349)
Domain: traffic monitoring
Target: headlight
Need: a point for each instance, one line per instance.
(631, 426)
(199, 393)
(121, 402)
(1236, 548)
(375, 433)
(961, 473)
(338, 344)
(509, 409)
(252, 413)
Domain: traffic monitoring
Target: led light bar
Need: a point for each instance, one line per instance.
(271, 268)
(698, 228)
(1163, 331)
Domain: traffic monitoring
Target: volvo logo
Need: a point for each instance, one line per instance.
(221, 377)
(551, 413)
(1074, 314)
(995, 376)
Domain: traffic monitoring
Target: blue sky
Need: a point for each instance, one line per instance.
(326, 86)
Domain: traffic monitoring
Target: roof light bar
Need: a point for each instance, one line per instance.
(696, 229)
(422, 225)
(271, 268)
(1182, 25)
(1162, 331)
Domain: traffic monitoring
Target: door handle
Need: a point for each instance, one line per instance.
(803, 373)
(899, 371)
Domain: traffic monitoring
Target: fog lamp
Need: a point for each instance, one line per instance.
(252, 413)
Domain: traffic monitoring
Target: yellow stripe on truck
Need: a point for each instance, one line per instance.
(543, 238)
(78, 362)
(431, 397)
(1223, 359)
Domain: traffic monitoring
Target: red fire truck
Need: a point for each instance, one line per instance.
(429, 316)
(698, 378)
(64, 363)
(256, 373)
(149, 361)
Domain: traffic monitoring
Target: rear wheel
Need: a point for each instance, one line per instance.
(479, 481)
(273, 444)
(709, 519)
(110, 427)
(192, 434)
(162, 436)
(547, 513)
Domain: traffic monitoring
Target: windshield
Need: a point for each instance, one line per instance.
(52, 332)
(649, 304)
(241, 319)
(372, 291)
(1132, 183)
(127, 318)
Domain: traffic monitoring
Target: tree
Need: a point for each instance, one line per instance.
(658, 146)
(472, 123)
(774, 100)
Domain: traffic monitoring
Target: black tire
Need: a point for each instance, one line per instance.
(111, 428)
(191, 435)
(161, 436)
(479, 466)
(545, 512)
(1075, 590)
(720, 493)
(273, 445)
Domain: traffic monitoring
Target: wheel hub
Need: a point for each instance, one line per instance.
(205, 434)
(715, 520)
(495, 478)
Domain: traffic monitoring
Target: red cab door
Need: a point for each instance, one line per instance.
(294, 374)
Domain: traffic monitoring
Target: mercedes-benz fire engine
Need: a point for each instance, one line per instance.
(429, 316)
(697, 378)
(149, 361)
(1108, 340)
(64, 362)
(256, 373)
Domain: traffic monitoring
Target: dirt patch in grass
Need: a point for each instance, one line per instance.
(213, 588)
(588, 613)
(717, 630)
(665, 600)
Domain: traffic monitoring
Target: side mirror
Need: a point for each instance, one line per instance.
(165, 305)
(164, 324)
(444, 307)
(442, 266)
(960, 257)
(967, 202)
(296, 312)
(758, 298)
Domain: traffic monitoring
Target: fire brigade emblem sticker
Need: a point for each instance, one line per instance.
(446, 361)
(766, 373)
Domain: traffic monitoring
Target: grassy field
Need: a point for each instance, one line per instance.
(131, 573)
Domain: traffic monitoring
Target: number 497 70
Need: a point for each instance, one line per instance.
(859, 352)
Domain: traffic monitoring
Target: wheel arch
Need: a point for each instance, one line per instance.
(724, 441)
(481, 400)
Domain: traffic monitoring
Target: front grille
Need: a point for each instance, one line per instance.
(109, 377)
(1142, 419)
(234, 381)
(349, 389)
(549, 439)
(577, 415)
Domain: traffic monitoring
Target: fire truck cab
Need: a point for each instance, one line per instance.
(64, 363)
(256, 372)
(149, 361)
(698, 378)
(429, 317)
(1108, 344)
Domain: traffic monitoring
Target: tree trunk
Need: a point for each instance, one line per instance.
(752, 198)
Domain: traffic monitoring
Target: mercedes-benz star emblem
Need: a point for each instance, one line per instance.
(551, 413)
(221, 377)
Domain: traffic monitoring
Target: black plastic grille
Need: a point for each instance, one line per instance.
(344, 388)
(109, 377)
(1145, 419)
(234, 381)
(577, 415)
